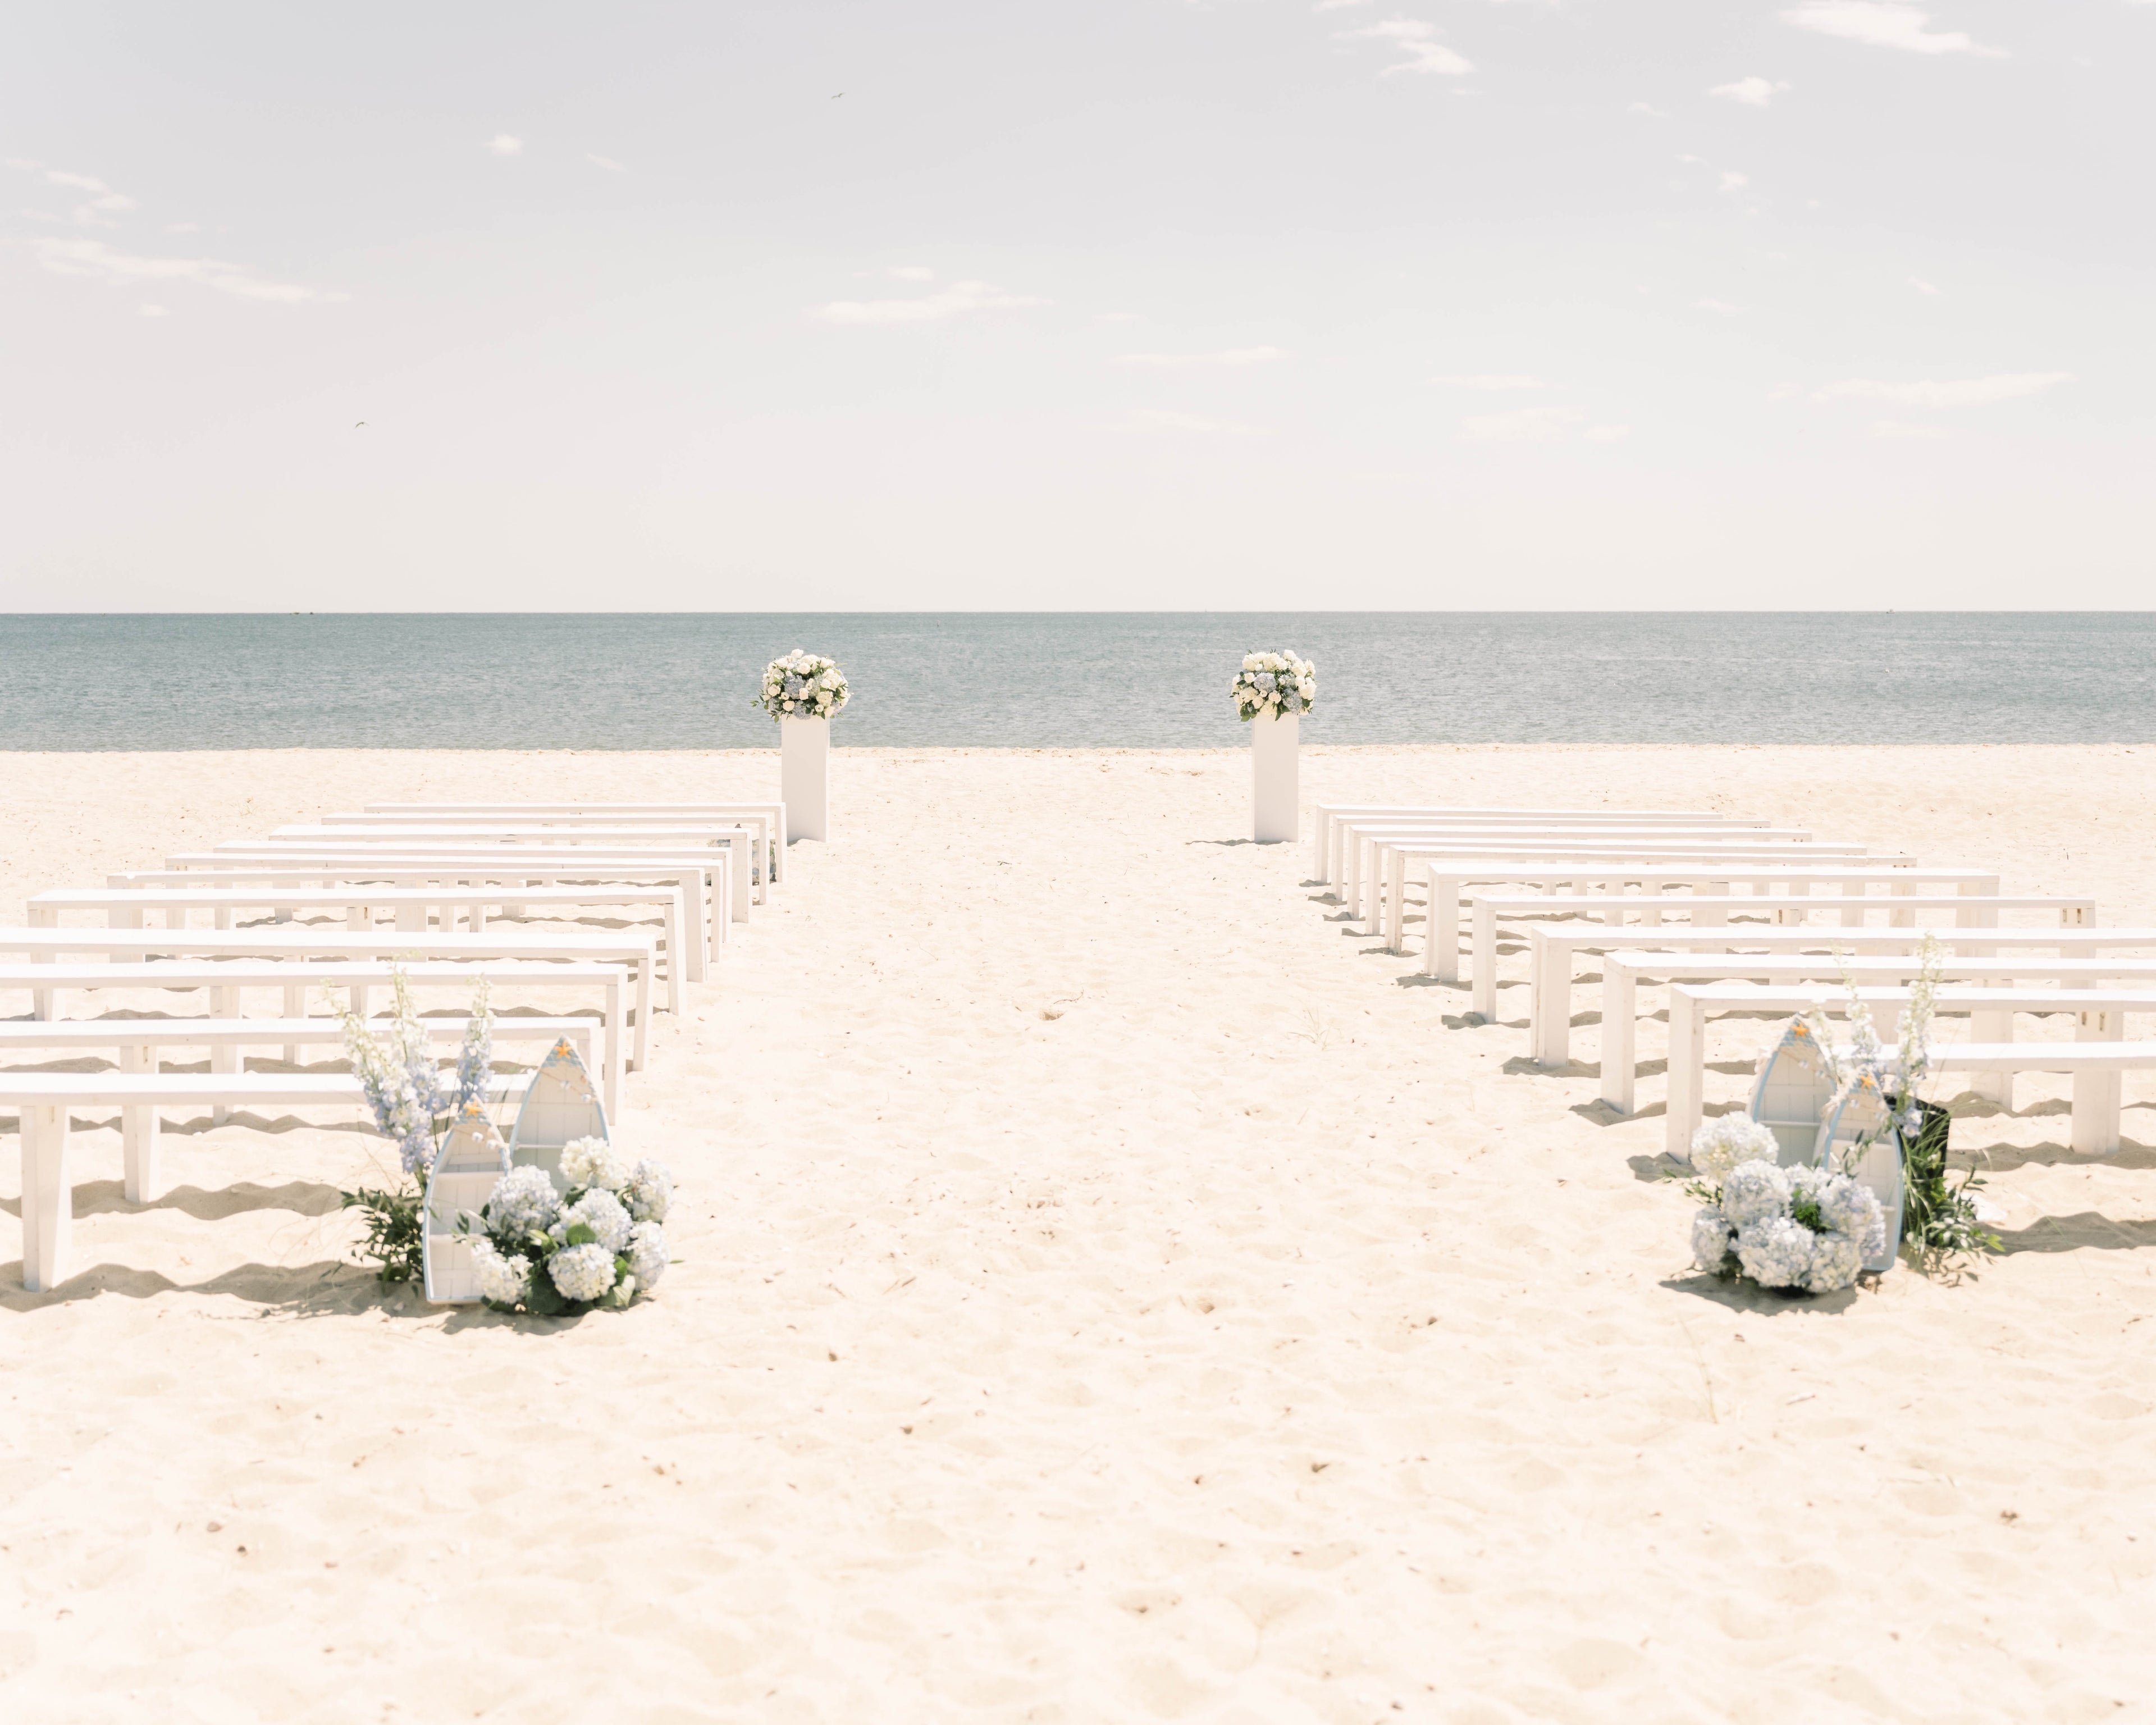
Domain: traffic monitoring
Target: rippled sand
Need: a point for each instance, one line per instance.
(1111, 1290)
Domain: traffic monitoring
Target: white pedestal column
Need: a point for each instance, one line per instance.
(804, 750)
(1275, 793)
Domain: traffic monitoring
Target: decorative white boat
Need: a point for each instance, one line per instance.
(1857, 1110)
(560, 1105)
(472, 1159)
(1793, 1095)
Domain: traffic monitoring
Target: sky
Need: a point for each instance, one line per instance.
(1283, 305)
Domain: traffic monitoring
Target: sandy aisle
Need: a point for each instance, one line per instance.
(1113, 1291)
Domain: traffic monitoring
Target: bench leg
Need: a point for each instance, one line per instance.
(1552, 1008)
(139, 1132)
(1620, 996)
(1993, 1086)
(295, 1007)
(2097, 1094)
(47, 1197)
(1485, 946)
(1441, 931)
(1687, 1074)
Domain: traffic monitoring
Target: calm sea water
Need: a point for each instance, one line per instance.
(1025, 679)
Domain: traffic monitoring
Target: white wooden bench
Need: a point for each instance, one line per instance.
(1395, 859)
(1784, 913)
(1355, 838)
(1625, 973)
(46, 1100)
(483, 835)
(1450, 880)
(1809, 952)
(1327, 858)
(230, 981)
(727, 875)
(771, 816)
(136, 1045)
(704, 891)
(761, 827)
(127, 907)
(2100, 1013)
(638, 953)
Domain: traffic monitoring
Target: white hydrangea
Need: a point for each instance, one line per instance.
(600, 1211)
(584, 1272)
(647, 1254)
(1836, 1261)
(1710, 1236)
(1274, 685)
(1776, 1252)
(500, 1280)
(649, 1191)
(592, 1162)
(523, 1199)
(1727, 1140)
(1753, 1192)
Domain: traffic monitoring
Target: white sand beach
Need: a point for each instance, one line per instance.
(1110, 1289)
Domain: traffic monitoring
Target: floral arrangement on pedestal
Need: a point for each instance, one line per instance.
(1803, 1229)
(1273, 685)
(802, 686)
(411, 1106)
(539, 1250)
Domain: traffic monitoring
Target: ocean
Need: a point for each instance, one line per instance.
(1028, 679)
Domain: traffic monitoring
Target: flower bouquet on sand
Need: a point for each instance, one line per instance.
(802, 686)
(1803, 1228)
(1272, 685)
(538, 1250)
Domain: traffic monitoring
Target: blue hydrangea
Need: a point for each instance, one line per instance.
(649, 1192)
(1776, 1252)
(1710, 1239)
(1752, 1192)
(1835, 1262)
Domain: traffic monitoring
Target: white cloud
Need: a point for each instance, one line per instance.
(1165, 419)
(1734, 182)
(911, 272)
(1884, 24)
(1647, 108)
(503, 145)
(151, 311)
(1921, 286)
(1720, 308)
(955, 301)
(99, 262)
(1491, 380)
(1225, 356)
(1751, 92)
(1523, 425)
(91, 212)
(1416, 41)
(1900, 428)
(182, 227)
(607, 162)
(1607, 433)
(1959, 393)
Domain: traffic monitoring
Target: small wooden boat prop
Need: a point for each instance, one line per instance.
(560, 1105)
(1860, 1110)
(1793, 1095)
(471, 1159)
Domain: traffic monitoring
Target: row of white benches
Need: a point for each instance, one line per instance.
(429, 868)
(1777, 960)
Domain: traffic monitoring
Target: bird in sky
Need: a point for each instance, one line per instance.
(361, 423)
(836, 97)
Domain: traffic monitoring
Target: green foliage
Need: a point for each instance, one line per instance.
(396, 1223)
(1938, 1212)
